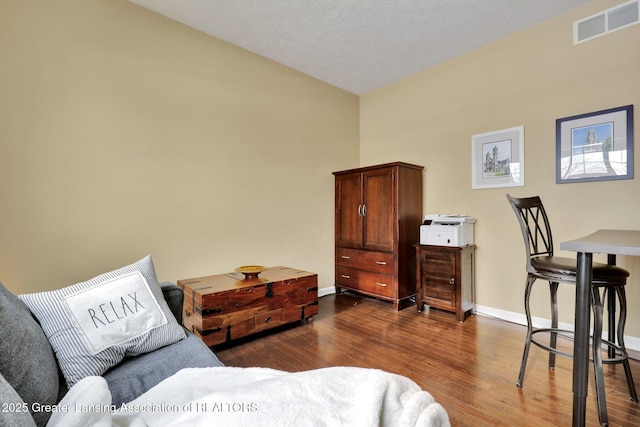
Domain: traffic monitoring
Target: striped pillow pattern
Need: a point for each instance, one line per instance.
(76, 358)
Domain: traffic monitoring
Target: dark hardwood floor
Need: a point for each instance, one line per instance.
(470, 368)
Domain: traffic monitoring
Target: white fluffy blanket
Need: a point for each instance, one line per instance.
(227, 396)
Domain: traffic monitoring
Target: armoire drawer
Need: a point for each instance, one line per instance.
(379, 284)
(376, 262)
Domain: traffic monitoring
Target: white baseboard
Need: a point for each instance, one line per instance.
(631, 343)
(326, 291)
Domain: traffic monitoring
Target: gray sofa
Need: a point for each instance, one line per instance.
(29, 373)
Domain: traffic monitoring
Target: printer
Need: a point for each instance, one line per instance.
(447, 230)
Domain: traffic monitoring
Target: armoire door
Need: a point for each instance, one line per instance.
(378, 213)
(349, 208)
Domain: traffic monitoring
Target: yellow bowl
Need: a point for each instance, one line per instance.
(251, 271)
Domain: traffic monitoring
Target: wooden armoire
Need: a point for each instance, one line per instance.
(378, 213)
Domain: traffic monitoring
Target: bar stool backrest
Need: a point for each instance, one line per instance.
(535, 227)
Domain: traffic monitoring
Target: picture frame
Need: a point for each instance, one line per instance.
(595, 146)
(497, 158)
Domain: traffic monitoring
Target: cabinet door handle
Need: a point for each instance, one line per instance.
(364, 210)
(345, 257)
(359, 210)
(381, 284)
(344, 276)
(381, 262)
(452, 281)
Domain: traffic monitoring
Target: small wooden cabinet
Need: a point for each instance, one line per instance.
(444, 278)
(378, 212)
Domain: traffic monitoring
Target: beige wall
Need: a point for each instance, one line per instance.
(530, 79)
(124, 133)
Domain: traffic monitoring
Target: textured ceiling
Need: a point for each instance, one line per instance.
(360, 45)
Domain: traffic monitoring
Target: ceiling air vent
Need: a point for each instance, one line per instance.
(605, 22)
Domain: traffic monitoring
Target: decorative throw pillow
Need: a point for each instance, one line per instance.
(27, 361)
(93, 325)
(14, 412)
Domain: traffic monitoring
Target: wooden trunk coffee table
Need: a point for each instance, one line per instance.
(225, 307)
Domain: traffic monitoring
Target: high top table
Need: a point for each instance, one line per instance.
(612, 242)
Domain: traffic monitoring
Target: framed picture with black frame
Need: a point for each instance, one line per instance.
(595, 146)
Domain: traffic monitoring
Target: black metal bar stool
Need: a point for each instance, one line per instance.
(608, 282)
